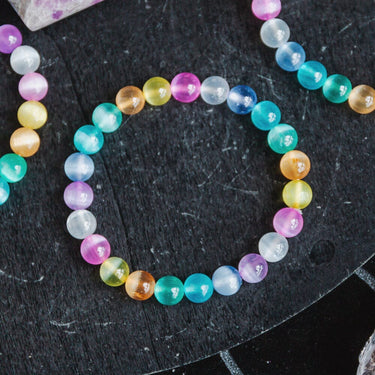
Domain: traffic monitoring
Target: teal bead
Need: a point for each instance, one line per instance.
(282, 138)
(12, 167)
(198, 288)
(88, 139)
(312, 75)
(4, 191)
(107, 117)
(337, 88)
(169, 290)
(266, 115)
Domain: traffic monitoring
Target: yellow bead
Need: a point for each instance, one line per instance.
(157, 91)
(130, 100)
(297, 194)
(25, 142)
(362, 99)
(32, 114)
(114, 271)
(295, 165)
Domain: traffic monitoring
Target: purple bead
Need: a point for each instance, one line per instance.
(33, 86)
(10, 38)
(253, 268)
(266, 9)
(78, 195)
(288, 222)
(185, 87)
(95, 249)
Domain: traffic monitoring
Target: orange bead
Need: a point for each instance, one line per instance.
(25, 142)
(295, 165)
(130, 100)
(362, 99)
(140, 285)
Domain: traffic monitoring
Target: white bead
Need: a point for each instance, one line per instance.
(81, 223)
(273, 247)
(24, 59)
(274, 33)
(214, 90)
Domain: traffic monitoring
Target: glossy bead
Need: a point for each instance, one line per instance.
(157, 91)
(80, 224)
(242, 99)
(78, 195)
(88, 139)
(226, 280)
(198, 288)
(266, 9)
(214, 90)
(114, 271)
(290, 56)
(107, 117)
(362, 99)
(288, 222)
(24, 59)
(130, 100)
(24, 142)
(282, 138)
(295, 165)
(10, 38)
(169, 290)
(337, 88)
(273, 247)
(312, 75)
(274, 33)
(253, 268)
(32, 114)
(265, 115)
(79, 167)
(12, 167)
(140, 285)
(4, 191)
(185, 87)
(95, 249)
(33, 86)
(297, 194)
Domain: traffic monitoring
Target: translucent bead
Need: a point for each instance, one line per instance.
(24, 142)
(242, 99)
(226, 280)
(78, 195)
(140, 285)
(88, 139)
(362, 99)
(337, 88)
(4, 191)
(12, 167)
(214, 90)
(114, 271)
(282, 138)
(24, 59)
(33, 86)
(32, 114)
(157, 91)
(266, 9)
(10, 38)
(185, 87)
(107, 117)
(265, 115)
(288, 222)
(198, 288)
(130, 100)
(169, 290)
(274, 33)
(290, 56)
(295, 165)
(80, 224)
(297, 194)
(79, 167)
(253, 268)
(95, 249)
(312, 75)
(273, 247)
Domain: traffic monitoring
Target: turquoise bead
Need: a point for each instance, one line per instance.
(169, 290)
(282, 138)
(337, 88)
(312, 75)
(198, 288)
(88, 139)
(4, 191)
(266, 115)
(12, 167)
(107, 117)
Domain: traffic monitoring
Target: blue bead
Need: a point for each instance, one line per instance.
(266, 115)
(79, 167)
(107, 117)
(4, 191)
(242, 99)
(88, 139)
(198, 288)
(282, 138)
(290, 56)
(226, 280)
(312, 75)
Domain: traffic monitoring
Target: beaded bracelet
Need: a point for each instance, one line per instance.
(32, 114)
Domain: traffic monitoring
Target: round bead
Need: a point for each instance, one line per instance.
(273, 247)
(312, 75)
(114, 271)
(78, 195)
(290, 56)
(12, 167)
(10, 38)
(32, 114)
(107, 117)
(24, 59)
(297, 194)
(198, 288)
(274, 33)
(130, 100)
(242, 99)
(253, 268)
(266, 9)
(288, 222)
(79, 167)
(226, 280)
(185, 87)
(169, 290)
(95, 249)
(265, 115)
(4, 191)
(140, 285)
(157, 91)
(337, 88)
(33, 86)
(282, 138)
(214, 90)
(80, 224)
(362, 99)
(24, 142)
(295, 165)
(88, 139)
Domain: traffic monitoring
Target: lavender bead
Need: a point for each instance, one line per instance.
(78, 195)
(95, 249)
(253, 268)
(10, 38)
(288, 222)
(33, 86)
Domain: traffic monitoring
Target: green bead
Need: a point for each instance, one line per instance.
(337, 88)
(12, 167)
(169, 290)
(282, 138)
(107, 117)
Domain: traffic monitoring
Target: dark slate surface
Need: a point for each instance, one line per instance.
(179, 189)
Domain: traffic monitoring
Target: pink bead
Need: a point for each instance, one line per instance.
(185, 87)
(266, 9)
(33, 86)
(95, 249)
(288, 222)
